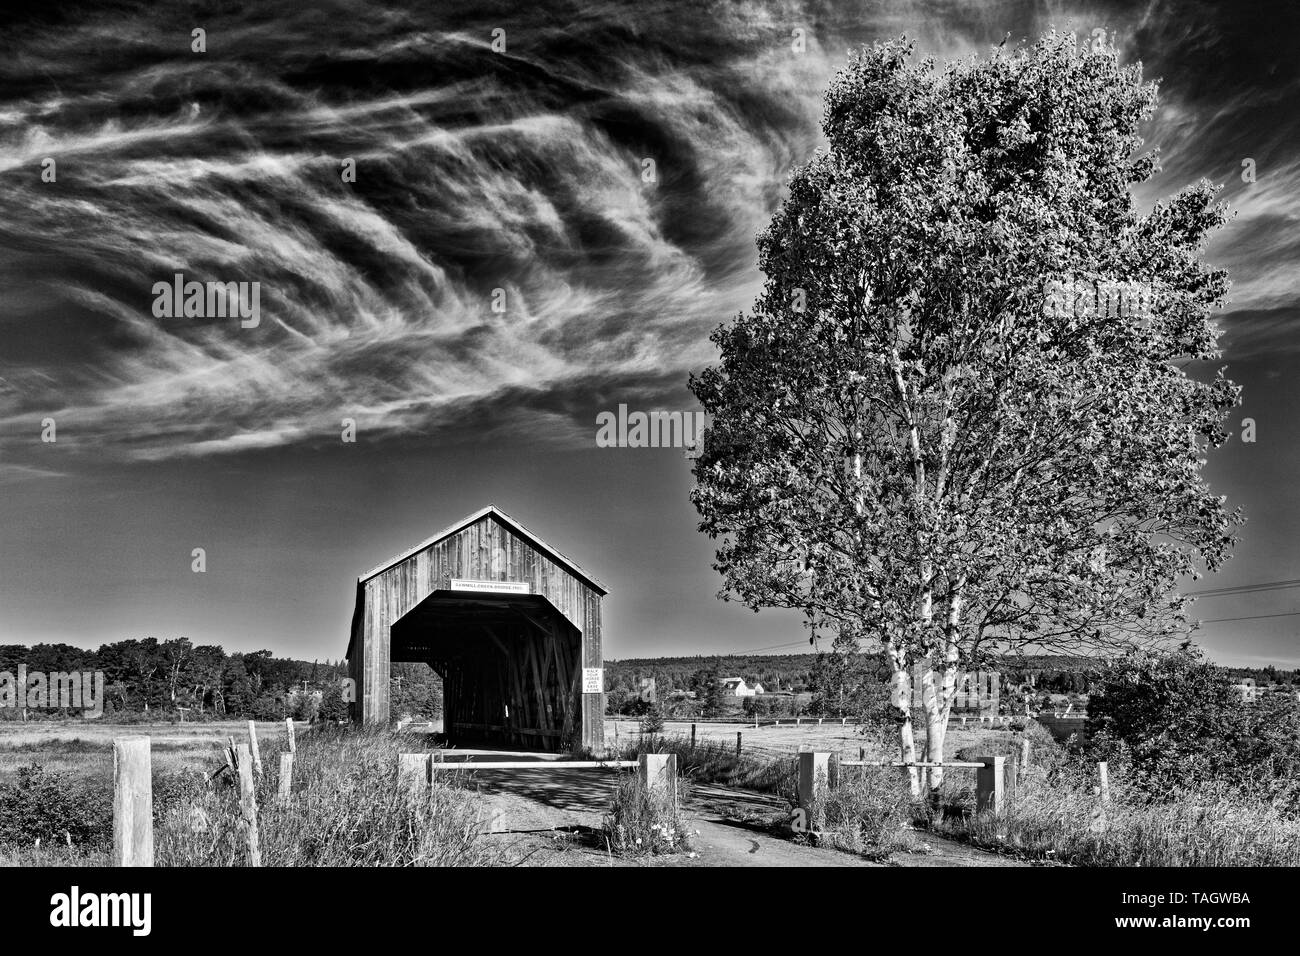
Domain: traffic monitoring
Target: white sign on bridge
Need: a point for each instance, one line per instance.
(491, 587)
(593, 680)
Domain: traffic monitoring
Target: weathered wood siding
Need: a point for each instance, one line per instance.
(486, 550)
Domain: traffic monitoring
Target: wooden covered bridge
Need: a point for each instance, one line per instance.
(510, 624)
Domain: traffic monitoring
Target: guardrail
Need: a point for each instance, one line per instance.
(529, 764)
(658, 772)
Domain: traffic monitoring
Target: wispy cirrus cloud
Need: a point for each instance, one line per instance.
(520, 171)
(477, 171)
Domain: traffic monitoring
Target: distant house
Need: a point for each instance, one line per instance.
(736, 687)
(1246, 687)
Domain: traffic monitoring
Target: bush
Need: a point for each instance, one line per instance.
(641, 822)
(53, 807)
(653, 721)
(1174, 723)
(867, 812)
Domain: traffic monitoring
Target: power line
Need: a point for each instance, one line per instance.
(1250, 617)
(774, 647)
(1246, 588)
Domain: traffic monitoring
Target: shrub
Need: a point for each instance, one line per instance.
(653, 720)
(867, 812)
(1174, 723)
(642, 822)
(54, 807)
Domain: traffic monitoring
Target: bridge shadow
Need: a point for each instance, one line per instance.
(572, 791)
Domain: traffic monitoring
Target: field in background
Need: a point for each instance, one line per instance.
(85, 747)
(786, 738)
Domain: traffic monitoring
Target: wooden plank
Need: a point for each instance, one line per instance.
(248, 803)
(132, 802)
(293, 744)
(252, 743)
(286, 777)
(990, 785)
(539, 689)
(535, 764)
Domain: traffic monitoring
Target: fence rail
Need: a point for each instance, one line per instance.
(531, 764)
(924, 764)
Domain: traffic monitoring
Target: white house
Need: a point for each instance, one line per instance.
(736, 687)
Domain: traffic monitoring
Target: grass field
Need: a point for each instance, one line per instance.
(772, 741)
(85, 747)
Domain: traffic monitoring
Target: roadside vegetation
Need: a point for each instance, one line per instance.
(346, 809)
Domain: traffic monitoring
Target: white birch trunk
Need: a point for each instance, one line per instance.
(902, 702)
(939, 689)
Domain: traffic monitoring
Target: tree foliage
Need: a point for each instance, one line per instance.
(905, 439)
(1175, 721)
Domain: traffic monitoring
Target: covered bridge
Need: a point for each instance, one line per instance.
(510, 624)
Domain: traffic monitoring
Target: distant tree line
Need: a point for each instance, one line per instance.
(173, 677)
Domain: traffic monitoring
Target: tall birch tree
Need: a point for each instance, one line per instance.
(968, 411)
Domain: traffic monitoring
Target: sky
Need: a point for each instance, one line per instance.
(478, 169)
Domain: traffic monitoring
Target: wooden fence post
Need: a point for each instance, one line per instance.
(1103, 778)
(862, 753)
(414, 772)
(132, 802)
(990, 785)
(286, 777)
(692, 736)
(248, 802)
(293, 744)
(818, 772)
(658, 773)
(737, 743)
(252, 743)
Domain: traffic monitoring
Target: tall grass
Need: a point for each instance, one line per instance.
(1060, 817)
(866, 813)
(346, 809)
(643, 822)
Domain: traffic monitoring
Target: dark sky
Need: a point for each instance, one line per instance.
(479, 170)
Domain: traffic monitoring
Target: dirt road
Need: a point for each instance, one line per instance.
(554, 817)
